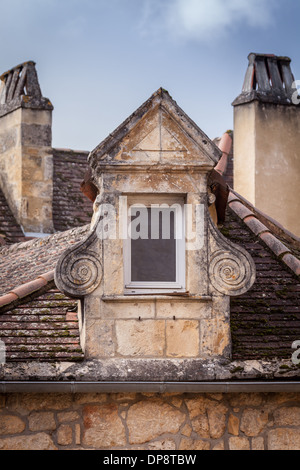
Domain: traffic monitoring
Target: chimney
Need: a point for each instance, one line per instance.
(266, 139)
(25, 148)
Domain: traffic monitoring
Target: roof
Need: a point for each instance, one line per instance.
(42, 328)
(37, 321)
(24, 262)
(266, 320)
(40, 323)
(10, 230)
(116, 152)
(70, 206)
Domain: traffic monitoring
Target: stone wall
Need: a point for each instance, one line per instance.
(26, 167)
(266, 159)
(150, 421)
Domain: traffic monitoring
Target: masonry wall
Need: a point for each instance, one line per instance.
(150, 421)
(266, 159)
(26, 167)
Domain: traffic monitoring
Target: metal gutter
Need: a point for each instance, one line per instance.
(149, 387)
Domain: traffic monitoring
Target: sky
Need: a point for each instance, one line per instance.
(99, 60)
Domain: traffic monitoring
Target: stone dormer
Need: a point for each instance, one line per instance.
(266, 134)
(25, 149)
(149, 290)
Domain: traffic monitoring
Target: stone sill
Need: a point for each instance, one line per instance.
(151, 297)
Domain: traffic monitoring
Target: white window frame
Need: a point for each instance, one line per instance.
(135, 287)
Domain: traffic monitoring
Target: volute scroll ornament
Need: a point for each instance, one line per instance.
(231, 269)
(79, 270)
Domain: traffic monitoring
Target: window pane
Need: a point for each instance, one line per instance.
(154, 259)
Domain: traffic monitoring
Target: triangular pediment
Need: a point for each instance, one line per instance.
(159, 132)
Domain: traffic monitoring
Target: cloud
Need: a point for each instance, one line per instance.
(205, 19)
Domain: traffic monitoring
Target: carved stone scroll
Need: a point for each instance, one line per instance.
(231, 269)
(79, 270)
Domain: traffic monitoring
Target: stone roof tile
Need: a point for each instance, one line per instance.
(71, 208)
(10, 230)
(274, 244)
(25, 262)
(41, 328)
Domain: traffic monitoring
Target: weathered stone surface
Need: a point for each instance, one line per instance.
(254, 421)
(27, 402)
(201, 426)
(284, 439)
(99, 338)
(103, 427)
(197, 406)
(191, 444)
(149, 420)
(165, 444)
(182, 338)
(219, 446)
(233, 425)
(217, 420)
(10, 424)
(39, 441)
(245, 399)
(287, 416)
(64, 435)
(239, 443)
(140, 338)
(258, 443)
(41, 421)
(67, 416)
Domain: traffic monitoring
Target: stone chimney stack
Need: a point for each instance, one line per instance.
(266, 140)
(25, 148)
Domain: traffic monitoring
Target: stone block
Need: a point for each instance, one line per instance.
(42, 421)
(239, 443)
(128, 310)
(40, 441)
(182, 338)
(103, 428)
(233, 425)
(100, 338)
(287, 416)
(64, 435)
(254, 421)
(140, 338)
(36, 135)
(258, 443)
(194, 444)
(147, 420)
(284, 439)
(187, 310)
(10, 424)
(67, 416)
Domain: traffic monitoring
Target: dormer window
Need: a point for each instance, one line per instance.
(154, 252)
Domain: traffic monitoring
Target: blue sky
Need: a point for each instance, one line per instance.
(98, 60)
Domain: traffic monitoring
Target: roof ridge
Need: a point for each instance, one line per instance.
(280, 250)
(28, 288)
(268, 219)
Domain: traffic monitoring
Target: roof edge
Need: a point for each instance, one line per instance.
(24, 290)
(282, 252)
(160, 97)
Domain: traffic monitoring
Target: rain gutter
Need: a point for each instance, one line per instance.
(149, 387)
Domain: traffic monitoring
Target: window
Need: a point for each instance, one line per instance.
(154, 252)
